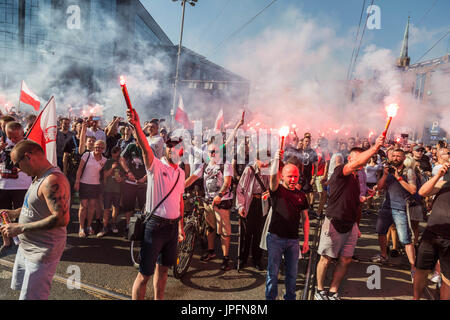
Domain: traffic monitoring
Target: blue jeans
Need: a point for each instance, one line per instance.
(276, 247)
(386, 217)
(33, 279)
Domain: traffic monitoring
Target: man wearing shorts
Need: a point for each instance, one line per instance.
(435, 242)
(164, 228)
(340, 230)
(217, 185)
(42, 222)
(400, 185)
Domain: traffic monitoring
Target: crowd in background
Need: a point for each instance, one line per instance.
(106, 171)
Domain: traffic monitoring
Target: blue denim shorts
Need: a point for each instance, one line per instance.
(159, 246)
(32, 279)
(386, 217)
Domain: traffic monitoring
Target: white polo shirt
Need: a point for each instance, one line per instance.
(161, 178)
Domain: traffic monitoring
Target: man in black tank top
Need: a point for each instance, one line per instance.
(435, 242)
(42, 222)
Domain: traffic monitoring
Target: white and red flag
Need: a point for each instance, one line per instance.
(181, 115)
(28, 97)
(44, 131)
(219, 121)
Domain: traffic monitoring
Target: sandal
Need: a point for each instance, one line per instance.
(81, 233)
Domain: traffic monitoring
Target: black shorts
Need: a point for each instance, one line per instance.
(432, 248)
(90, 191)
(131, 193)
(159, 246)
(111, 199)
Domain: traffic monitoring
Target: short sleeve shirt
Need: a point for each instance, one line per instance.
(213, 179)
(343, 203)
(288, 207)
(91, 174)
(133, 156)
(161, 177)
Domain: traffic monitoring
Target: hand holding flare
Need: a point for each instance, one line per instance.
(284, 131)
(392, 112)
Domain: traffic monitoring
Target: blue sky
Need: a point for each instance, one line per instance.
(210, 22)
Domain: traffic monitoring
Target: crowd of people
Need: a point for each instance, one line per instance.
(124, 167)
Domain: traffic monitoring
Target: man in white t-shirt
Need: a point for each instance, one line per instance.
(13, 183)
(164, 228)
(219, 198)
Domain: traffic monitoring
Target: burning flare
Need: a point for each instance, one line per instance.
(392, 110)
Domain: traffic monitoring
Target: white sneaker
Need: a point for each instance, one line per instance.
(436, 277)
(102, 233)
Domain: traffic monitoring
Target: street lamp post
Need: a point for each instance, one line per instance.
(183, 4)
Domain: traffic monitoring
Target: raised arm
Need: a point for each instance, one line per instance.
(274, 180)
(141, 138)
(363, 157)
(432, 186)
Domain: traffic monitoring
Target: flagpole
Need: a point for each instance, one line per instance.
(21, 85)
(37, 118)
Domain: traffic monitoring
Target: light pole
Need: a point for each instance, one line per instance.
(183, 4)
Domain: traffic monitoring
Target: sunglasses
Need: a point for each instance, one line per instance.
(212, 151)
(17, 163)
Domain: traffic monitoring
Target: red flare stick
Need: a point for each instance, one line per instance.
(123, 84)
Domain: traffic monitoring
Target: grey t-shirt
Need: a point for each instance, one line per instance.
(42, 246)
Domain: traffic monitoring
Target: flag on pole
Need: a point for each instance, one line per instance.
(44, 131)
(219, 121)
(28, 97)
(181, 115)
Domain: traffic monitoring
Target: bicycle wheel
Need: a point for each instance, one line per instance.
(135, 249)
(185, 249)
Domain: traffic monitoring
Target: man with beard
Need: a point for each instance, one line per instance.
(400, 184)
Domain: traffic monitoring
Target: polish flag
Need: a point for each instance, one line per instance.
(219, 121)
(181, 115)
(28, 97)
(44, 131)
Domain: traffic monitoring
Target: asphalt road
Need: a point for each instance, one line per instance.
(106, 272)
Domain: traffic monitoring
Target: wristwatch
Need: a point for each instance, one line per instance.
(220, 194)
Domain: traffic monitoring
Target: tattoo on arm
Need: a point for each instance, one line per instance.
(57, 197)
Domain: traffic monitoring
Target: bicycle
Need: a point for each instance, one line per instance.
(194, 228)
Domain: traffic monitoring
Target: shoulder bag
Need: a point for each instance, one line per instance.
(136, 227)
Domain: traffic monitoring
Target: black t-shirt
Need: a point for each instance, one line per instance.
(439, 220)
(303, 159)
(286, 215)
(111, 142)
(135, 162)
(343, 203)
